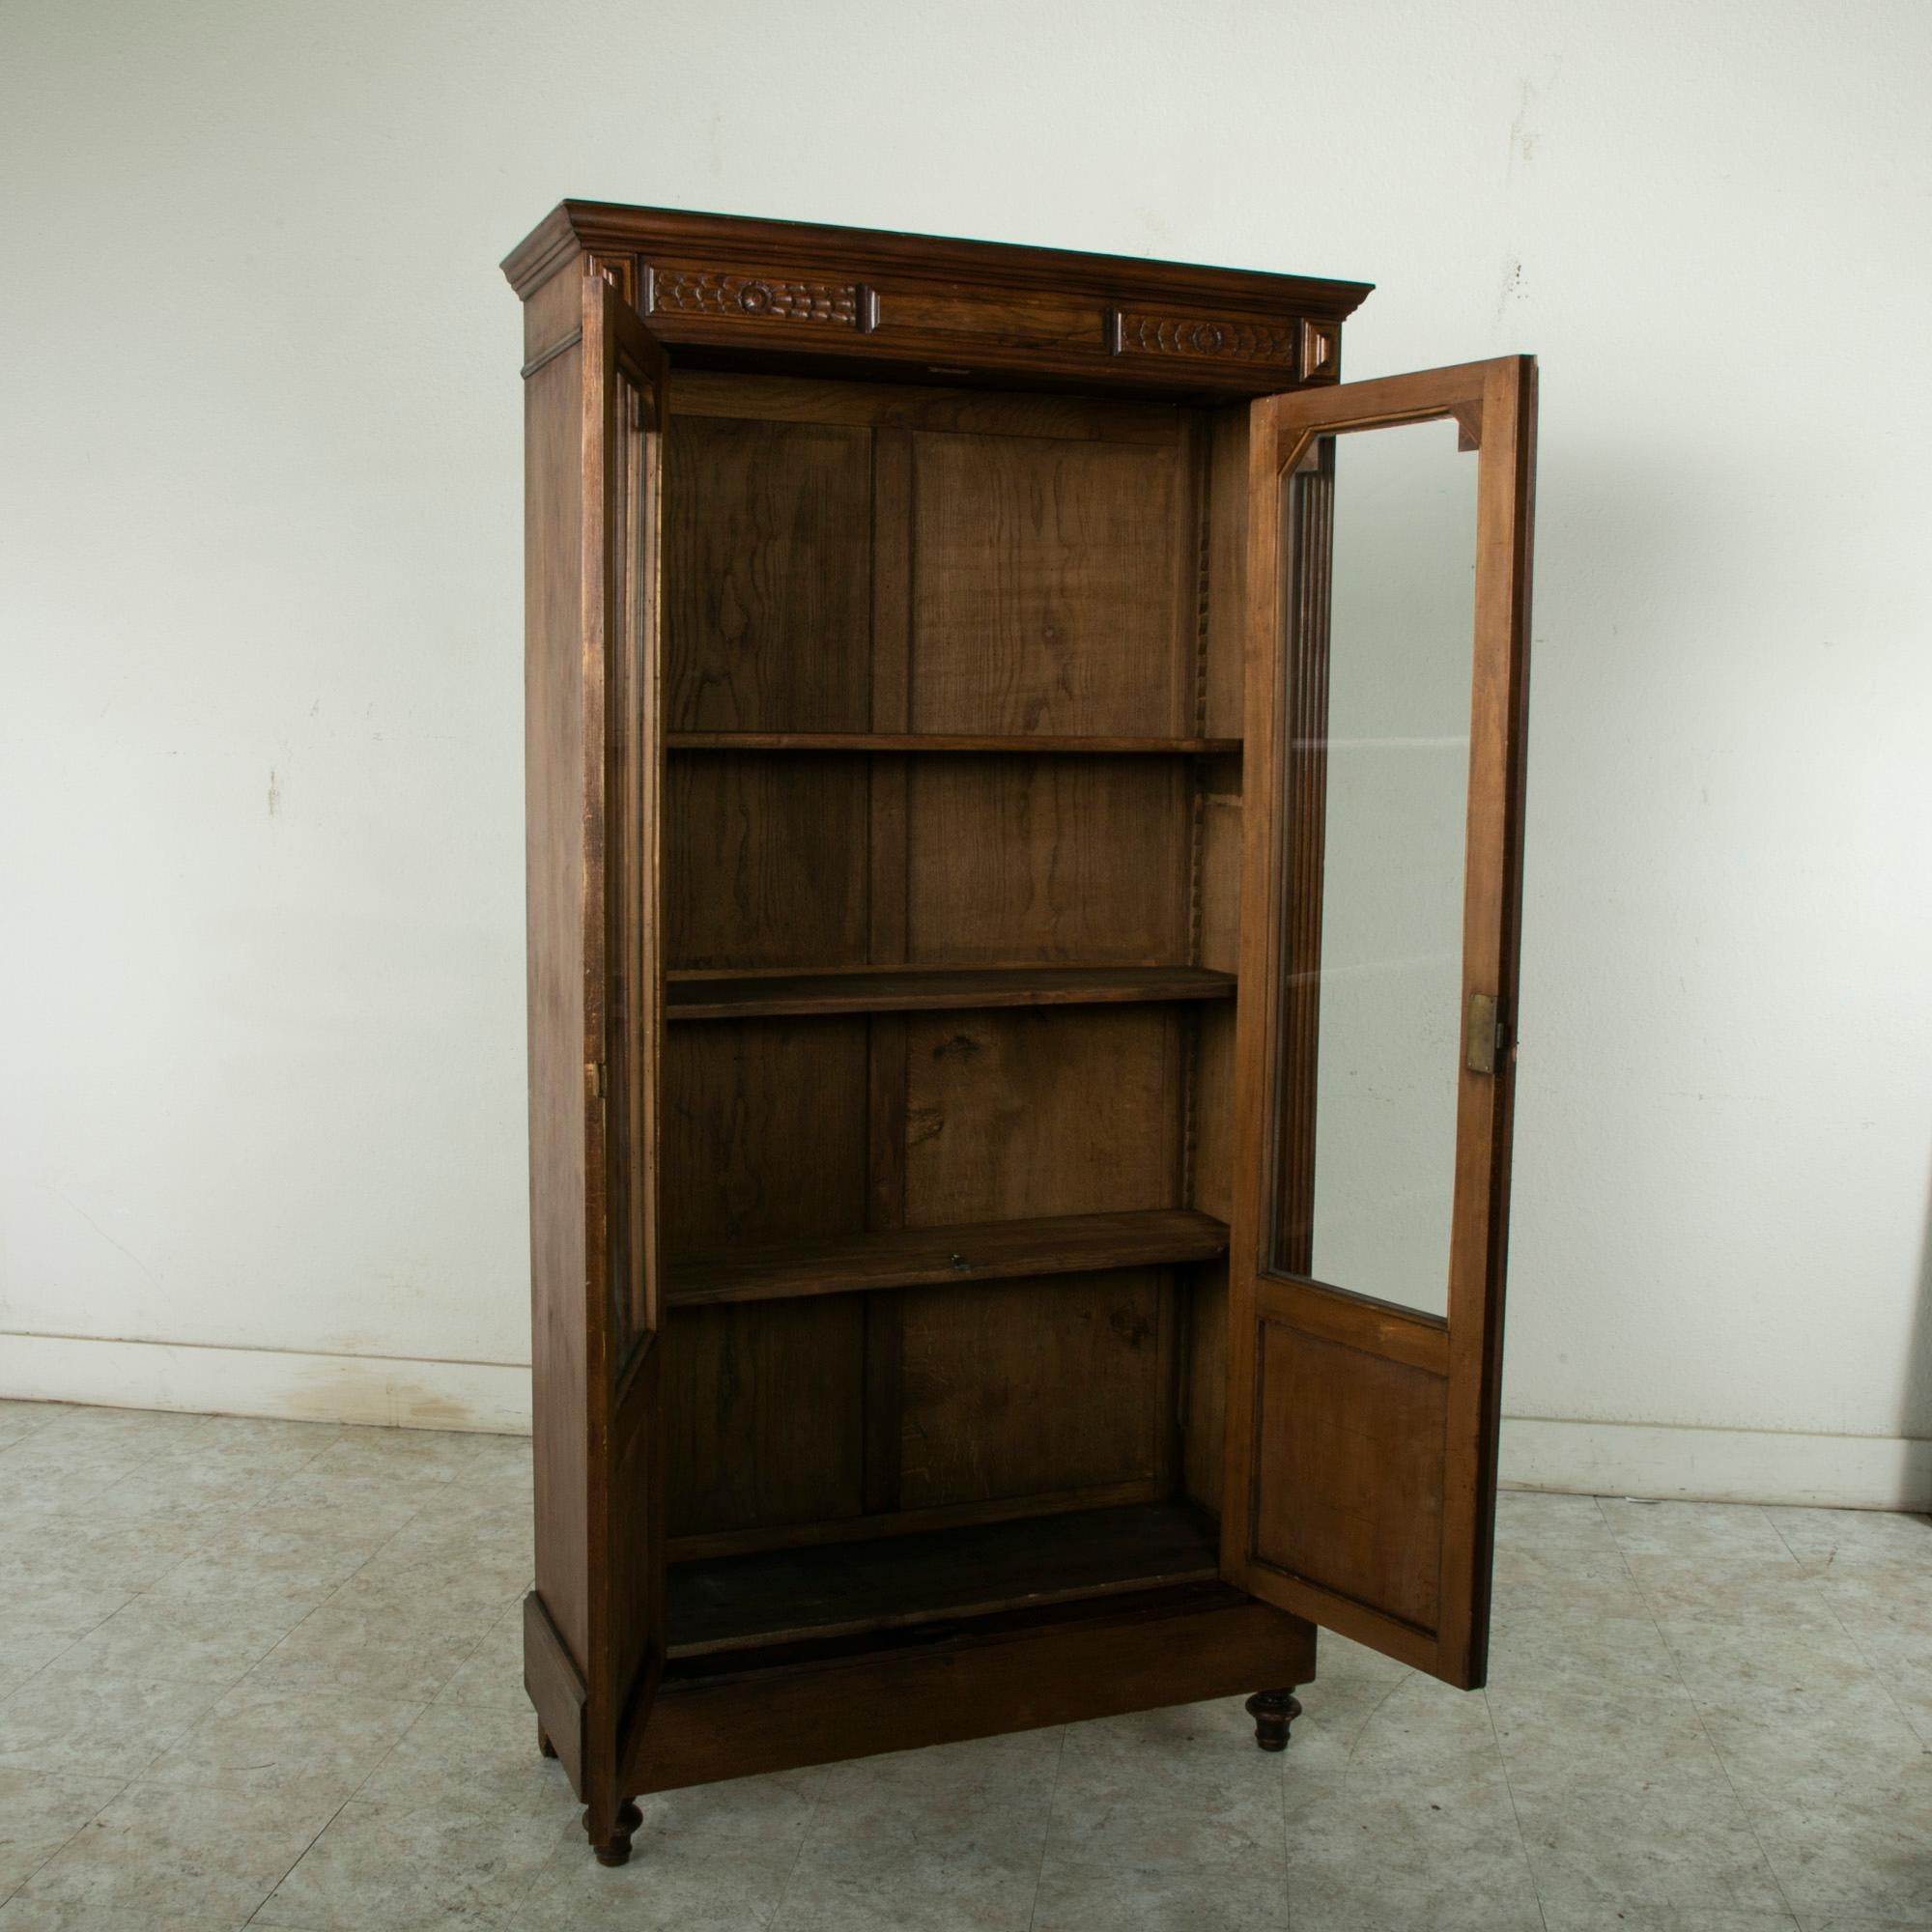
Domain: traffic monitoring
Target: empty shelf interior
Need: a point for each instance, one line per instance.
(890, 1582)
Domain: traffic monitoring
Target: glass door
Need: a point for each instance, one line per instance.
(1382, 798)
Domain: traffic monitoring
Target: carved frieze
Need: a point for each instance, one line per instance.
(1228, 338)
(719, 291)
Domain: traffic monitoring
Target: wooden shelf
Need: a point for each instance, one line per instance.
(939, 741)
(701, 996)
(924, 1257)
(891, 1582)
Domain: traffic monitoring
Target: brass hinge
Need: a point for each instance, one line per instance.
(593, 1078)
(1483, 1041)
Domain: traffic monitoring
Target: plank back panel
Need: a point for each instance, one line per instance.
(765, 1130)
(765, 1137)
(1051, 859)
(1012, 1113)
(765, 1404)
(1044, 579)
(1029, 1387)
(768, 576)
(765, 860)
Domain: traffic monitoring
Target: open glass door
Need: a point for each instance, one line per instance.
(594, 1627)
(1388, 659)
(624, 373)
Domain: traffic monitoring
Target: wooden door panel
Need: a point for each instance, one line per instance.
(1349, 1472)
(1360, 1474)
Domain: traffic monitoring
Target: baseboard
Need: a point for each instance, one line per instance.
(1624, 1459)
(1731, 1466)
(387, 1391)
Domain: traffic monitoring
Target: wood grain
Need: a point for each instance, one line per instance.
(1061, 860)
(768, 577)
(904, 1581)
(736, 1714)
(802, 295)
(1032, 1387)
(1204, 1385)
(905, 406)
(933, 988)
(765, 862)
(553, 818)
(899, 1257)
(765, 1131)
(908, 772)
(904, 1521)
(764, 1406)
(1044, 575)
(891, 743)
(1016, 1115)
(1349, 1494)
(1360, 1471)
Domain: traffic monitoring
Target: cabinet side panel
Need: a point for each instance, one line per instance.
(554, 310)
(1224, 635)
(1205, 1308)
(1211, 1172)
(554, 781)
(1220, 890)
(1203, 1436)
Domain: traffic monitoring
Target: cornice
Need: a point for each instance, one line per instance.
(614, 228)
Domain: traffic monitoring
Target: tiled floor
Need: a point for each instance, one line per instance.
(268, 1673)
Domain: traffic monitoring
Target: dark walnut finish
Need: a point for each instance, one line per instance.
(924, 886)
(791, 295)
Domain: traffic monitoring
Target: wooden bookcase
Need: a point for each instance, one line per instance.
(928, 748)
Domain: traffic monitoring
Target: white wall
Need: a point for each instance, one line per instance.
(260, 993)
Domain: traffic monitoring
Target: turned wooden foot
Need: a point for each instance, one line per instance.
(544, 1744)
(1273, 1711)
(615, 1850)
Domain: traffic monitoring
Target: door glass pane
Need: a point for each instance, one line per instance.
(1372, 1072)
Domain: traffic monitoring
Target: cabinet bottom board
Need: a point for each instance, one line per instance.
(804, 1705)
